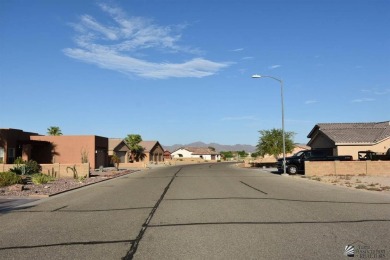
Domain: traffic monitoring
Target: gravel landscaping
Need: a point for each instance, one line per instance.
(58, 185)
(362, 182)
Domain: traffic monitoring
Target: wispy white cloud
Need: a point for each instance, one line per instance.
(274, 67)
(247, 58)
(239, 118)
(360, 100)
(238, 49)
(307, 102)
(376, 91)
(116, 46)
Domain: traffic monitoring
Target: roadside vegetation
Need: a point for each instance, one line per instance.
(137, 152)
(350, 181)
(9, 178)
(24, 172)
(40, 178)
(271, 142)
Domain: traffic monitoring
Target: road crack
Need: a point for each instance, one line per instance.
(254, 188)
(134, 246)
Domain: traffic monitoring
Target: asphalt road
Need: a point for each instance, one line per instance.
(209, 211)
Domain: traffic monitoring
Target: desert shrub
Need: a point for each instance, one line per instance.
(25, 167)
(361, 186)
(33, 167)
(9, 178)
(39, 178)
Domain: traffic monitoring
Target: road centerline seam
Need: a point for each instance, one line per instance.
(134, 246)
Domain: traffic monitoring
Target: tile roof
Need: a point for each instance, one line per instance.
(354, 132)
(113, 143)
(148, 145)
(199, 150)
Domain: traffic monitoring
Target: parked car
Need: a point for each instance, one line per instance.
(374, 156)
(296, 163)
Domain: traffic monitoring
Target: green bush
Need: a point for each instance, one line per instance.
(39, 178)
(26, 167)
(9, 178)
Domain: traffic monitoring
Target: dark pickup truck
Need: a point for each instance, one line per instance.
(374, 156)
(296, 163)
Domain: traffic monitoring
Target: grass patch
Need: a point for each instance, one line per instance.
(39, 178)
(9, 178)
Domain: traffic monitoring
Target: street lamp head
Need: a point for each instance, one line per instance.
(256, 76)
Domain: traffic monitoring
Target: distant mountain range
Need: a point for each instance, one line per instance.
(218, 147)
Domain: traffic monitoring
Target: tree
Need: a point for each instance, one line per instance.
(211, 148)
(226, 155)
(254, 155)
(132, 141)
(54, 130)
(242, 154)
(271, 142)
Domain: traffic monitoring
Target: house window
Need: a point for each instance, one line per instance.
(11, 155)
(1, 155)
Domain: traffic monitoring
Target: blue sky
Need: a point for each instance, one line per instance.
(180, 71)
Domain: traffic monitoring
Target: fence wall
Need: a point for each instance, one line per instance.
(58, 170)
(371, 168)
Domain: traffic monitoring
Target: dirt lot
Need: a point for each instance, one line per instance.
(364, 182)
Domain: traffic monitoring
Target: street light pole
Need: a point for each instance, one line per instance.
(256, 76)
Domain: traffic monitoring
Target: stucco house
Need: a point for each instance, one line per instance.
(76, 149)
(350, 138)
(153, 150)
(52, 149)
(120, 148)
(196, 152)
(15, 143)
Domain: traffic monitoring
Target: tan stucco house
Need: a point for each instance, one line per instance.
(120, 148)
(153, 150)
(350, 138)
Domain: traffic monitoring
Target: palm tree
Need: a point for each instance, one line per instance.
(54, 130)
(132, 141)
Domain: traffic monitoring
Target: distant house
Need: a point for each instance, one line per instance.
(349, 138)
(196, 152)
(167, 155)
(120, 148)
(153, 150)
